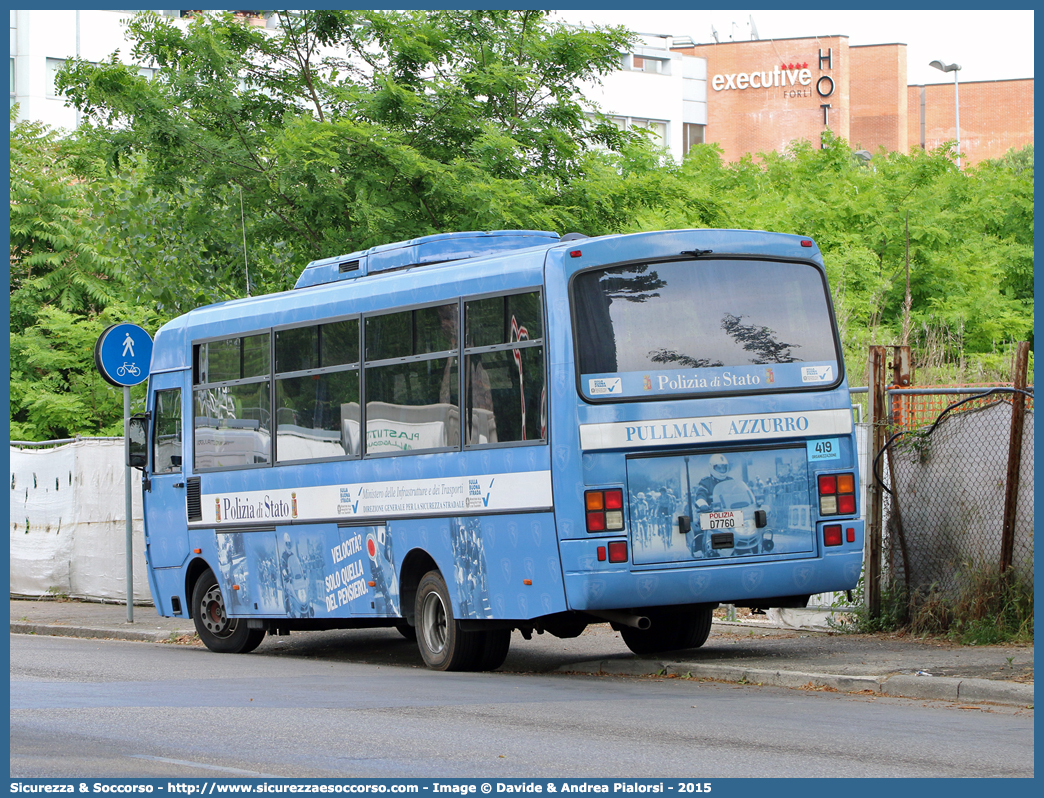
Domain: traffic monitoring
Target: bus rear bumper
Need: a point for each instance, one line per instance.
(618, 587)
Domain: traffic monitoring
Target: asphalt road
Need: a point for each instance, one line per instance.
(117, 709)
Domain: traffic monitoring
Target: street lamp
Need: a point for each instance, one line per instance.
(954, 68)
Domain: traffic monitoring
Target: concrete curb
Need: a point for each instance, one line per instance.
(143, 635)
(937, 688)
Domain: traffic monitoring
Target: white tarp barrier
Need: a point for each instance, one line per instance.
(68, 527)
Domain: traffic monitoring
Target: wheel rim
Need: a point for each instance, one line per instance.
(434, 625)
(212, 613)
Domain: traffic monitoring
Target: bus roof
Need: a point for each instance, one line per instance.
(443, 257)
(426, 250)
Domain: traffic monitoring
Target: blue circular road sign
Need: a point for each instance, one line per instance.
(123, 354)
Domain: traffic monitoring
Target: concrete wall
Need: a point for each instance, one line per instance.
(675, 94)
(58, 34)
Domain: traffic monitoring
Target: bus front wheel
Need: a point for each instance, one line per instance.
(443, 645)
(217, 631)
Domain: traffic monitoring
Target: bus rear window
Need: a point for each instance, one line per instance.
(701, 327)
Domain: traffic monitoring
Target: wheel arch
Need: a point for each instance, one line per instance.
(414, 565)
(193, 571)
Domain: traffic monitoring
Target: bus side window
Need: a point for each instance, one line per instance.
(232, 403)
(504, 370)
(317, 391)
(412, 380)
(166, 455)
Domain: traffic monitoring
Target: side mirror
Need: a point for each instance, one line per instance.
(138, 441)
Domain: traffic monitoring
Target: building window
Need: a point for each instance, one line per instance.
(655, 126)
(692, 135)
(53, 65)
(647, 64)
(643, 63)
(658, 129)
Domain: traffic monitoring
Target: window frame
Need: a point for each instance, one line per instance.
(319, 370)
(360, 366)
(174, 469)
(508, 347)
(815, 388)
(406, 360)
(198, 385)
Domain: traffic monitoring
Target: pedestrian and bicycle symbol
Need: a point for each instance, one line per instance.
(123, 354)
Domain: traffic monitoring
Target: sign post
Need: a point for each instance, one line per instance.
(123, 355)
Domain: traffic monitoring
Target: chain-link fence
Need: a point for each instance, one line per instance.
(945, 500)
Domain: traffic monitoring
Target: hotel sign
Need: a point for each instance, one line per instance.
(788, 75)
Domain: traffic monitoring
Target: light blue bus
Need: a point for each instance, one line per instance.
(471, 433)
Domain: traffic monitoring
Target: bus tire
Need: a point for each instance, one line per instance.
(407, 631)
(495, 649)
(694, 627)
(670, 631)
(443, 645)
(217, 631)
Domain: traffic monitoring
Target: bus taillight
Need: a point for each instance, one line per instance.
(618, 551)
(837, 494)
(604, 510)
(832, 535)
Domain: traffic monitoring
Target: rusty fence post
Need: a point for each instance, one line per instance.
(879, 413)
(1011, 485)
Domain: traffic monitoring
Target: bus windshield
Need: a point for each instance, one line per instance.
(701, 327)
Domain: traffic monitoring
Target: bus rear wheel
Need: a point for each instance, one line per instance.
(495, 649)
(671, 630)
(407, 631)
(217, 631)
(443, 645)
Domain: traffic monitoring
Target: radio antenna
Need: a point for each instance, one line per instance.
(242, 220)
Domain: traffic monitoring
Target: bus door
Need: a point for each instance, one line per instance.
(164, 505)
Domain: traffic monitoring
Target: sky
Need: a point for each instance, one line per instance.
(989, 45)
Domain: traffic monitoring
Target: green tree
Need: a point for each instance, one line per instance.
(64, 291)
(56, 391)
(422, 122)
(970, 234)
(54, 257)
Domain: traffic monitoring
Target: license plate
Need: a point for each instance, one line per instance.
(723, 519)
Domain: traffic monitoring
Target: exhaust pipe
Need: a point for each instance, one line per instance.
(627, 619)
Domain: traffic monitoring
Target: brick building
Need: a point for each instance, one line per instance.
(996, 115)
(765, 94)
